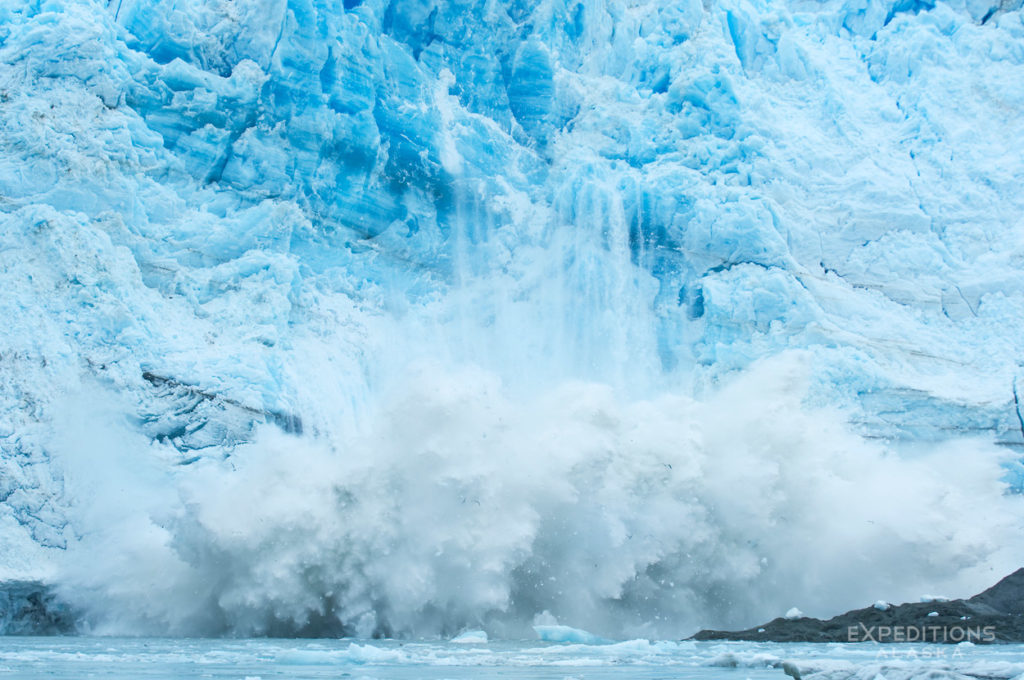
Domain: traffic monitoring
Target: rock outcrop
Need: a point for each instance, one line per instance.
(995, 615)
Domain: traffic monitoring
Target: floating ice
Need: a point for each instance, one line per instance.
(471, 637)
(558, 633)
(35, 658)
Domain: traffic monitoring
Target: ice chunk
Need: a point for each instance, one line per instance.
(470, 637)
(559, 633)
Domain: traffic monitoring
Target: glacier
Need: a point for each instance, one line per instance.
(413, 317)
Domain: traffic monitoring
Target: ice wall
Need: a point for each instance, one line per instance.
(389, 230)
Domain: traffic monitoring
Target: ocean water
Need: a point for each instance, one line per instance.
(84, 657)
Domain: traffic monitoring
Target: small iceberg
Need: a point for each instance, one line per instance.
(794, 613)
(470, 637)
(557, 633)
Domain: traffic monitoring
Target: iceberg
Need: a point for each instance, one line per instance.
(406, 317)
(559, 633)
(471, 637)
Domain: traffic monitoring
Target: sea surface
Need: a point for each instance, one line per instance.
(88, 657)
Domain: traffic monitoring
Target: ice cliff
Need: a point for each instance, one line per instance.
(407, 317)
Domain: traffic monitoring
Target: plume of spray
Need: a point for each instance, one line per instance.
(458, 505)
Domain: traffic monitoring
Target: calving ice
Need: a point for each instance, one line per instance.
(411, 318)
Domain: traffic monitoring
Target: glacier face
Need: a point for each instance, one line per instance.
(402, 317)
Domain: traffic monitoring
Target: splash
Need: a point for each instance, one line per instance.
(458, 506)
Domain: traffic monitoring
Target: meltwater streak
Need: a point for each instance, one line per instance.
(458, 507)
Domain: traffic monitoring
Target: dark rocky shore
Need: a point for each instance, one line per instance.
(995, 615)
